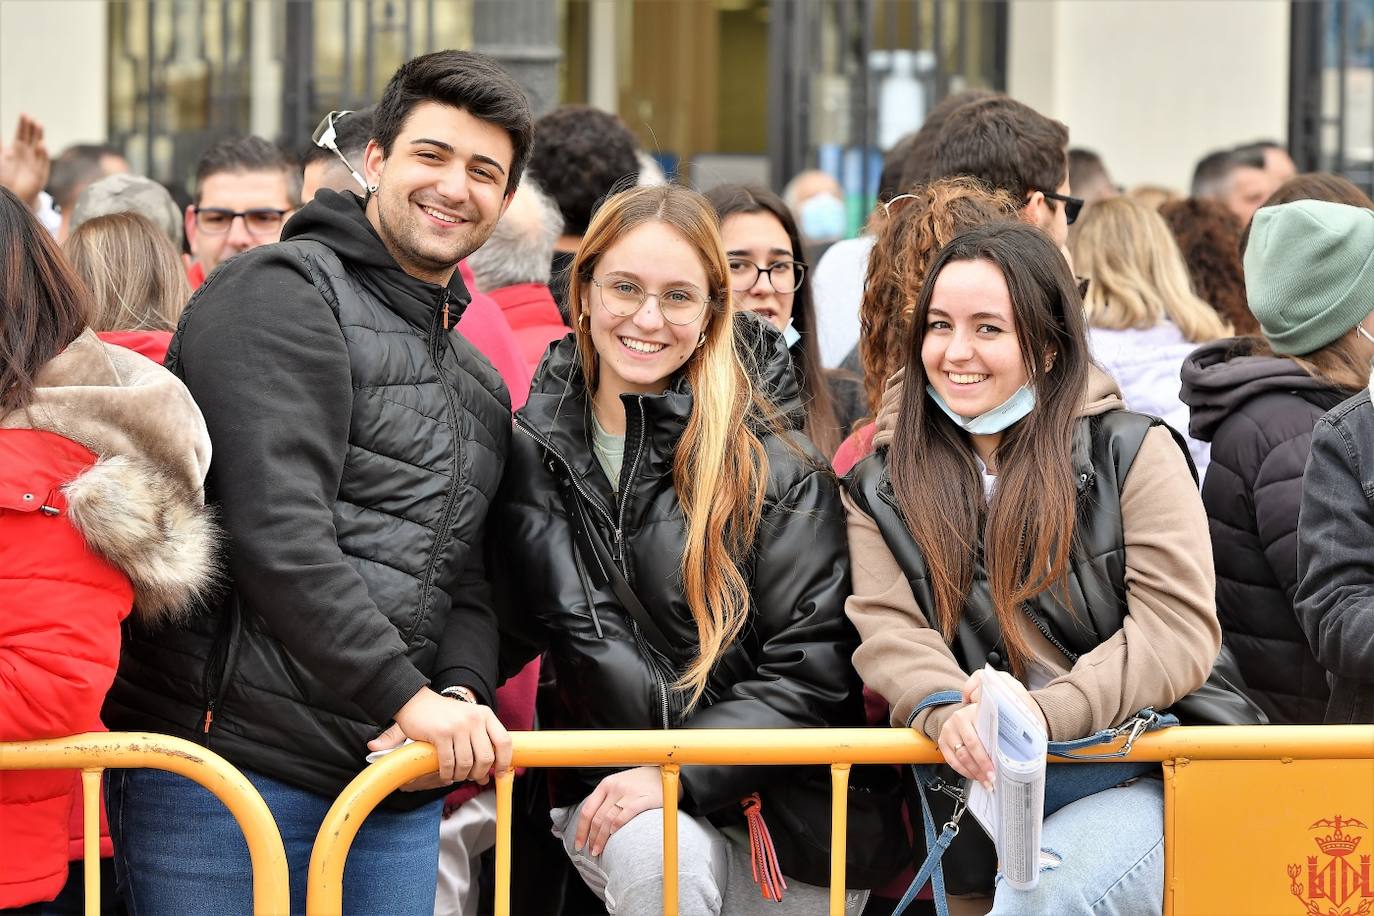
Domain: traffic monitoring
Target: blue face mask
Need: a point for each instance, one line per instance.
(1011, 411)
(823, 218)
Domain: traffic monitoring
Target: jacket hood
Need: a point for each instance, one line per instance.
(1103, 394)
(1221, 376)
(141, 505)
(338, 220)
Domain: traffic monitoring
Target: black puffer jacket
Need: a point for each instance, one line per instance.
(791, 668)
(356, 448)
(1258, 413)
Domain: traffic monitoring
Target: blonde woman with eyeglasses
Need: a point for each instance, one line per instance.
(1145, 318)
(676, 547)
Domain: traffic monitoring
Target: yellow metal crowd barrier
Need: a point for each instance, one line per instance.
(1258, 820)
(92, 753)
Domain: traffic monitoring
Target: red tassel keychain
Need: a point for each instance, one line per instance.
(762, 856)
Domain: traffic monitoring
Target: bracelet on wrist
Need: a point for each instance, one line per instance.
(460, 693)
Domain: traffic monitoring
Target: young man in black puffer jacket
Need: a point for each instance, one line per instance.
(358, 442)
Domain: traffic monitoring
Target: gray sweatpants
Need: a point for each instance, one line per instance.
(714, 875)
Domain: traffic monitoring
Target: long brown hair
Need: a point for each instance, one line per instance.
(133, 272)
(822, 425)
(720, 468)
(921, 224)
(1028, 527)
(43, 304)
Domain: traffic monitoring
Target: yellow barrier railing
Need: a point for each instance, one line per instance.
(1346, 753)
(92, 753)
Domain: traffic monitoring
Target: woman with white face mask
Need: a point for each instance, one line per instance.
(675, 548)
(768, 276)
(1257, 400)
(1016, 515)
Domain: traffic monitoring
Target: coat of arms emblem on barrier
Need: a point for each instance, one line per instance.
(1335, 877)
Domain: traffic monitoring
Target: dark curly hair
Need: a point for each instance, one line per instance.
(919, 227)
(1208, 236)
(581, 154)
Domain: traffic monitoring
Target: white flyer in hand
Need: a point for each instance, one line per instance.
(1014, 811)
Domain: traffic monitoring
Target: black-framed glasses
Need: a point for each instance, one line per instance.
(258, 221)
(785, 276)
(1072, 205)
(326, 137)
(678, 305)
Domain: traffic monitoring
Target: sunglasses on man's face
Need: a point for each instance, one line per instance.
(1072, 205)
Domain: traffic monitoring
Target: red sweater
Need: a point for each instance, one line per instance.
(533, 316)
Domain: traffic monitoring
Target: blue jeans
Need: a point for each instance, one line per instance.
(179, 852)
(1103, 854)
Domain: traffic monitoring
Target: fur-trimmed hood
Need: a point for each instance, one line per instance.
(142, 504)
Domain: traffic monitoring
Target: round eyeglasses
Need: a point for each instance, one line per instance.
(785, 276)
(678, 305)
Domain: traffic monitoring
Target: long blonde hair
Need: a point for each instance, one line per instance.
(720, 469)
(1137, 277)
(134, 274)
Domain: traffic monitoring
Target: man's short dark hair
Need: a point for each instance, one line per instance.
(1004, 143)
(894, 166)
(465, 80)
(249, 154)
(918, 160)
(1085, 168)
(1212, 173)
(580, 154)
(74, 168)
(351, 133)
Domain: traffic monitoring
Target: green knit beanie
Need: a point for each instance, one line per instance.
(1309, 272)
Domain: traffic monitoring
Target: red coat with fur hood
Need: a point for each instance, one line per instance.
(101, 512)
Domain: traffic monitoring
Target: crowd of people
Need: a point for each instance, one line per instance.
(467, 422)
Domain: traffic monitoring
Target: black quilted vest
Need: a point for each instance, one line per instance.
(1104, 447)
(429, 432)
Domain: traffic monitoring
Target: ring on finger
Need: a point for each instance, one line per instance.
(958, 748)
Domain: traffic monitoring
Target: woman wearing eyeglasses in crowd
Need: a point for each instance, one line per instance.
(1009, 480)
(658, 499)
(768, 277)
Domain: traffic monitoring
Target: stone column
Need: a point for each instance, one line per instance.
(522, 35)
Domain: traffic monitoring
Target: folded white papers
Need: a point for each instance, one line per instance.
(1014, 811)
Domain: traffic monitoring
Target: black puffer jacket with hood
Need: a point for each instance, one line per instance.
(1258, 412)
(357, 445)
(791, 667)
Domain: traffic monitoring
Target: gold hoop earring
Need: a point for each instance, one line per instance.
(582, 322)
(701, 341)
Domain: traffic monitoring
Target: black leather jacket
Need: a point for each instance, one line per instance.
(357, 447)
(792, 666)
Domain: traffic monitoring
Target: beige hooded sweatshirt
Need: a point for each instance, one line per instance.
(1163, 652)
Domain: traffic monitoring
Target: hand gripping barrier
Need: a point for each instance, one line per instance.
(92, 753)
(1233, 798)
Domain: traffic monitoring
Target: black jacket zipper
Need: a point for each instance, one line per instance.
(231, 658)
(441, 535)
(645, 650)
